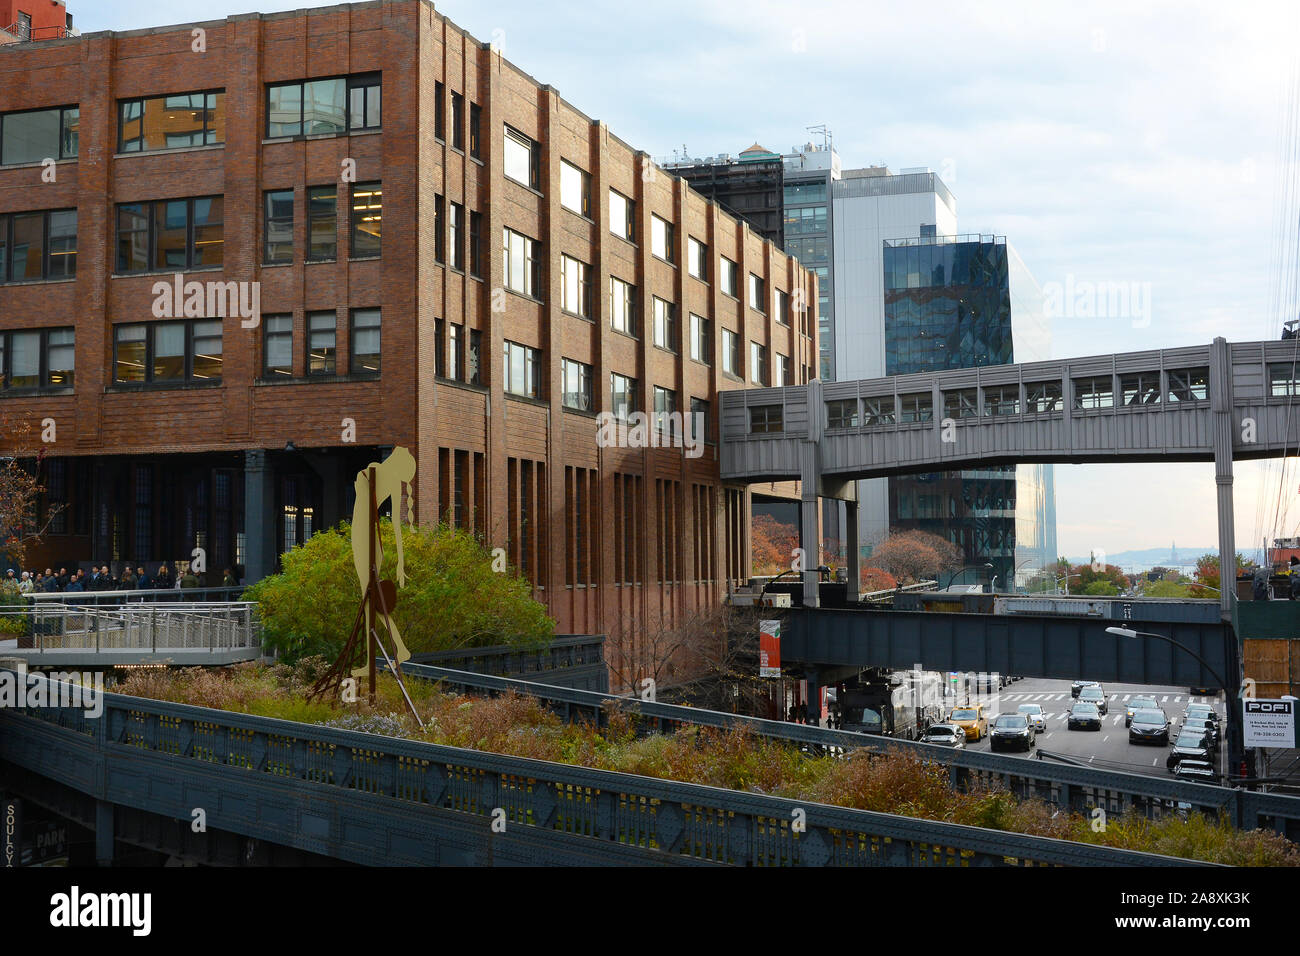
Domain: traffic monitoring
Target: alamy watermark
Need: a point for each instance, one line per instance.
(179, 299)
(1082, 299)
(656, 430)
(70, 689)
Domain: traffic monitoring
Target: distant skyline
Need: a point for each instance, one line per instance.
(1130, 144)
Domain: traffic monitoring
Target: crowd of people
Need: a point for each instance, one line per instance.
(102, 579)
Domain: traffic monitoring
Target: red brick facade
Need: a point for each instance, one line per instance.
(532, 476)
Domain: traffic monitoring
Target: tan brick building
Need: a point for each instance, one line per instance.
(450, 257)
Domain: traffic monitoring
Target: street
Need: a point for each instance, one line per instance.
(1110, 748)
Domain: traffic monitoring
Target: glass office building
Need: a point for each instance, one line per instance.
(965, 302)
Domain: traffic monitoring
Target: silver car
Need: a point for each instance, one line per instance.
(1036, 716)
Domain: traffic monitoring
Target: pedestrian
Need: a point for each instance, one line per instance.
(163, 581)
(228, 579)
(128, 582)
(76, 585)
(189, 579)
(63, 579)
(25, 586)
(51, 582)
(142, 581)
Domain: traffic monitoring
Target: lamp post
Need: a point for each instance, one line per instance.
(1066, 579)
(1236, 748)
(963, 570)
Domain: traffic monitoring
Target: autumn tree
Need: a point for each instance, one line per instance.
(875, 579)
(1207, 574)
(21, 523)
(911, 556)
(771, 542)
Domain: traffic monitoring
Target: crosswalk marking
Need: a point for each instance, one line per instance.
(1164, 700)
(1126, 697)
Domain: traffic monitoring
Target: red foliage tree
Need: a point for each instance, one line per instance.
(771, 542)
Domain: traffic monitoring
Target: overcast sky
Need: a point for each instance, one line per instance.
(1125, 143)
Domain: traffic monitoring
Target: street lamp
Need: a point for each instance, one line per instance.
(1066, 579)
(1235, 748)
(962, 570)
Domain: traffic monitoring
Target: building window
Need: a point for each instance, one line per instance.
(757, 302)
(661, 238)
(34, 136)
(322, 223)
(915, 408)
(278, 229)
(730, 273)
(1140, 388)
(476, 131)
(782, 307)
(961, 403)
(700, 430)
(622, 396)
(322, 107)
(1094, 392)
(456, 234)
(757, 363)
(575, 287)
(439, 229)
(1043, 397)
(475, 243)
(697, 259)
(171, 122)
(38, 358)
(167, 352)
(523, 370)
(622, 306)
(575, 189)
(523, 159)
(454, 342)
(1189, 384)
(577, 385)
(701, 339)
(439, 110)
(842, 413)
(621, 221)
(367, 219)
(322, 344)
(730, 352)
(38, 245)
(475, 358)
(457, 120)
(665, 411)
(782, 371)
(764, 419)
(878, 411)
(805, 220)
(1002, 400)
(523, 265)
(796, 193)
(277, 346)
(439, 348)
(1283, 380)
(171, 234)
(363, 348)
(665, 331)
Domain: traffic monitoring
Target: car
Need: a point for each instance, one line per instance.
(1196, 771)
(1139, 703)
(1188, 746)
(971, 719)
(1202, 710)
(1199, 725)
(1080, 685)
(1095, 695)
(1083, 716)
(945, 735)
(1011, 732)
(1036, 716)
(1149, 725)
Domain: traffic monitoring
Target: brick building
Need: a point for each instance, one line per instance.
(24, 20)
(387, 179)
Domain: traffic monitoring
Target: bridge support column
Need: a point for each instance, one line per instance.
(810, 542)
(104, 835)
(813, 705)
(851, 547)
(259, 517)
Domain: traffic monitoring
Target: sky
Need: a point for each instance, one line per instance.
(1140, 145)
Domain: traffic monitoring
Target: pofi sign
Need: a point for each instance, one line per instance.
(1268, 723)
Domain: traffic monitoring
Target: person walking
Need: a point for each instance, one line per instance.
(163, 581)
(189, 579)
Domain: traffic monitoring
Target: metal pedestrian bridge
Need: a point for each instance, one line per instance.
(1218, 403)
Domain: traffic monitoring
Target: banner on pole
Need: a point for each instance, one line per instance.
(769, 648)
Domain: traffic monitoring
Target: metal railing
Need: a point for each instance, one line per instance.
(570, 660)
(1073, 788)
(117, 598)
(197, 626)
(385, 801)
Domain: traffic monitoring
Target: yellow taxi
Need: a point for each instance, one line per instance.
(971, 719)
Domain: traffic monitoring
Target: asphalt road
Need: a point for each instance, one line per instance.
(1108, 748)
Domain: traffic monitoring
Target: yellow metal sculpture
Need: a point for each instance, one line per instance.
(377, 483)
